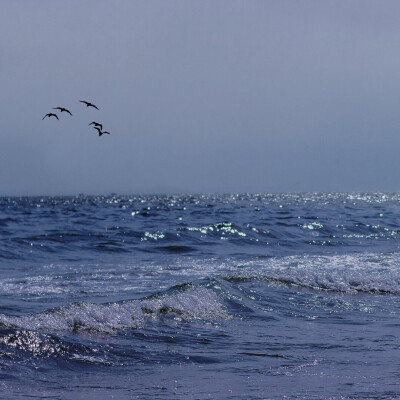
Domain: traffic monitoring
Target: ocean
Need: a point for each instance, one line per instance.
(235, 296)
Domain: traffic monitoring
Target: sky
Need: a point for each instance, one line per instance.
(199, 96)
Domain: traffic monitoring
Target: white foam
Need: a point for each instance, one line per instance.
(345, 273)
(193, 303)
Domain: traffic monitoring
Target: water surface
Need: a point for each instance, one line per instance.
(280, 296)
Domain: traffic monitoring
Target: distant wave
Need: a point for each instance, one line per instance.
(34, 229)
(370, 273)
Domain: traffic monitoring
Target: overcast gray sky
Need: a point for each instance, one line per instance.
(200, 96)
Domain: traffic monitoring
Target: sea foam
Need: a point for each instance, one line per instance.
(194, 303)
(374, 273)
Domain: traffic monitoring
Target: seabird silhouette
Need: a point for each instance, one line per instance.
(88, 104)
(96, 124)
(62, 109)
(98, 130)
(49, 115)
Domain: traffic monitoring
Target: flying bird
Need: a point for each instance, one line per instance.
(62, 109)
(98, 130)
(49, 115)
(88, 104)
(96, 124)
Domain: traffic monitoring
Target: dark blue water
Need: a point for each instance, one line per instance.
(284, 296)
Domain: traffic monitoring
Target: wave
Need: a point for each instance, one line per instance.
(35, 229)
(187, 303)
(39, 344)
(369, 273)
(349, 273)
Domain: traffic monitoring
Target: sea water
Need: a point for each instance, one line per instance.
(251, 296)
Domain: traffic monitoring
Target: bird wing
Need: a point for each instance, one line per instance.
(83, 101)
(69, 112)
(54, 115)
(57, 108)
(45, 116)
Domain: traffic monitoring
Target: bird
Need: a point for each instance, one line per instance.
(49, 115)
(96, 124)
(98, 130)
(62, 109)
(88, 104)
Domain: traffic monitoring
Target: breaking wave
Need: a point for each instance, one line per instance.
(370, 273)
(194, 303)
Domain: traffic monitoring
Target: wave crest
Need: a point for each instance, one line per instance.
(369, 273)
(193, 303)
